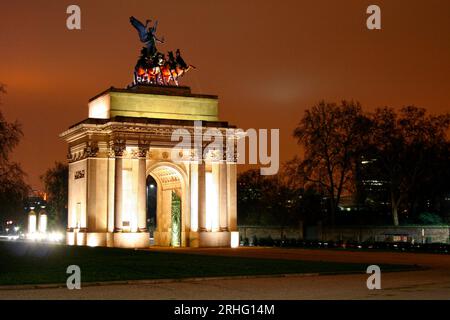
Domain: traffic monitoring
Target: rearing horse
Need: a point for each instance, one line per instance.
(161, 72)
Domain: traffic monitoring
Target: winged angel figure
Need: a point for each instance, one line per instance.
(147, 36)
(152, 66)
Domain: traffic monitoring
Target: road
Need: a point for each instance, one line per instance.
(432, 283)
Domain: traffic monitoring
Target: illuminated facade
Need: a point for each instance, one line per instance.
(126, 139)
(37, 222)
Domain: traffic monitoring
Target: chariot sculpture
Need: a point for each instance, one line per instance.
(154, 67)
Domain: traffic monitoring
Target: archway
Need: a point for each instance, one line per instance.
(151, 196)
(166, 207)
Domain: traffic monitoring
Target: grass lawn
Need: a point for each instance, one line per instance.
(33, 263)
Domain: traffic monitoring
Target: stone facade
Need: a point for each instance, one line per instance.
(127, 137)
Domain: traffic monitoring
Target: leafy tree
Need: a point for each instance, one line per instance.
(265, 200)
(307, 199)
(275, 200)
(430, 218)
(13, 189)
(250, 197)
(55, 182)
(332, 136)
(280, 201)
(411, 149)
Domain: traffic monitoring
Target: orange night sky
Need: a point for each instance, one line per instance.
(267, 60)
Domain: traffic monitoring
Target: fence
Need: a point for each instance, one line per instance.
(416, 234)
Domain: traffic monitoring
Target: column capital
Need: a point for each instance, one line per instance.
(118, 149)
(70, 155)
(91, 150)
(142, 151)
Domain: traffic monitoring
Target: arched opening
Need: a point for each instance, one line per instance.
(152, 196)
(165, 205)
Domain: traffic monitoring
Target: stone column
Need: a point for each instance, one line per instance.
(232, 196)
(215, 194)
(193, 187)
(118, 190)
(223, 198)
(142, 192)
(201, 197)
(70, 205)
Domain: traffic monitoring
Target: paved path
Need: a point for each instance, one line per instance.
(433, 283)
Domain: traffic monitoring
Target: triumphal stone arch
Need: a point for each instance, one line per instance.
(126, 152)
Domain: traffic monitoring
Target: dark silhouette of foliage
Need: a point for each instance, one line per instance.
(13, 189)
(275, 200)
(332, 136)
(408, 154)
(56, 182)
(412, 152)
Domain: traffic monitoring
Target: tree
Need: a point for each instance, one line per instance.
(250, 197)
(281, 201)
(55, 182)
(267, 200)
(307, 198)
(13, 189)
(332, 136)
(411, 149)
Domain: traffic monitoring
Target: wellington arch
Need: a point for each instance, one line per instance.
(122, 172)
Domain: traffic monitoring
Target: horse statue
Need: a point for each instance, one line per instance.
(160, 70)
(152, 66)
